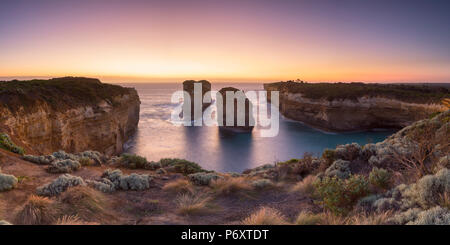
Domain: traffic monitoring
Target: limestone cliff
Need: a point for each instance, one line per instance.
(71, 114)
(188, 86)
(247, 111)
(357, 106)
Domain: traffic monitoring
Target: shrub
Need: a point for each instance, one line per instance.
(443, 162)
(262, 184)
(430, 187)
(433, 216)
(231, 186)
(305, 186)
(153, 165)
(339, 168)
(265, 216)
(380, 178)
(42, 160)
(7, 182)
(414, 216)
(7, 144)
(62, 155)
(63, 166)
(348, 152)
(340, 195)
(36, 211)
(192, 204)
(179, 185)
(203, 178)
(85, 161)
(104, 185)
(94, 157)
(59, 185)
(445, 200)
(288, 162)
(307, 218)
(329, 156)
(133, 161)
(127, 182)
(181, 166)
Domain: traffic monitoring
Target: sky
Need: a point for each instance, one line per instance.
(242, 40)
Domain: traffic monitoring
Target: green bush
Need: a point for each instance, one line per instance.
(340, 195)
(380, 178)
(7, 144)
(181, 166)
(132, 161)
(203, 178)
(288, 162)
(329, 155)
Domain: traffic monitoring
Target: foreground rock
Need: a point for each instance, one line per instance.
(247, 110)
(71, 114)
(357, 106)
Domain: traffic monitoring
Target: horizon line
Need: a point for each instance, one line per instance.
(138, 79)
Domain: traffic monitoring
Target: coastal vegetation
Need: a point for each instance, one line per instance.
(7, 144)
(353, 91)
(401, 180)
(58, 93)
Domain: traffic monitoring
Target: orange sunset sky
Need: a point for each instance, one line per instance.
(137, 41)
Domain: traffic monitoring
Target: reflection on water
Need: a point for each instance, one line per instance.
(157, 138)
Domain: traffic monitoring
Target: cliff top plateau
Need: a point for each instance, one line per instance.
(59, 93)
(352, 91)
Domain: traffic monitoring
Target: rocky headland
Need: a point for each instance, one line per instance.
(73, 114)
(404, 179)
(357, 106)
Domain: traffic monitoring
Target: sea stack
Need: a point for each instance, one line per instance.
(189, 86)
(221, 110)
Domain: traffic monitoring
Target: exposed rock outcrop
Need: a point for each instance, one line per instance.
(189, 86)
(248, 107)
(71, 114)
(357, 106)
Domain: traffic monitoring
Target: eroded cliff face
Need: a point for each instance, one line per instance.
(364, 113)
(103, 126)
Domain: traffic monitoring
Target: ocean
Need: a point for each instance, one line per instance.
(158, 138)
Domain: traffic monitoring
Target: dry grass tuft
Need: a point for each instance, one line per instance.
(328, 218)
(444, 200)
(193, 204)
(231, 186)
(305, 186)
(37, 211)
(179, 186)
(265, 216)
(72, 220)
(86, 203)
(307, 218)
(371, 219)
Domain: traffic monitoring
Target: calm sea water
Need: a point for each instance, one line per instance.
(158, 138)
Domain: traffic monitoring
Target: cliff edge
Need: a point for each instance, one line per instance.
(71, 113)
(358, 106)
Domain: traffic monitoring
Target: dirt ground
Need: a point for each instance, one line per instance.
(148, 207)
